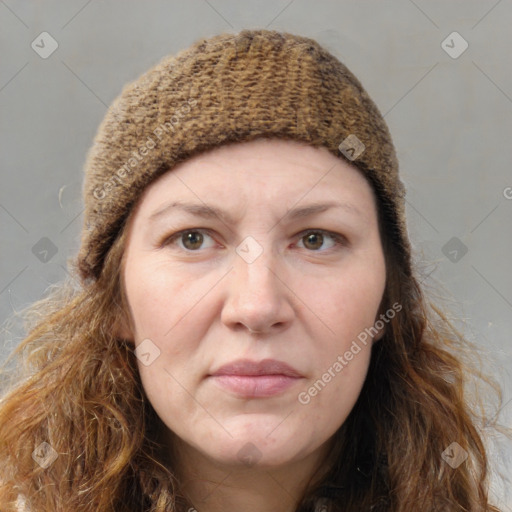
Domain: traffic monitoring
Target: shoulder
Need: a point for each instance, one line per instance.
(21, 506)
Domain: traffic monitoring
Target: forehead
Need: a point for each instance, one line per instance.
(268, 175)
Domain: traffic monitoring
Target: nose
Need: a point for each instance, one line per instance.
(258, 297)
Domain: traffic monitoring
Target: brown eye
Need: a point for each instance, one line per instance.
(191, 240)
(314, 239)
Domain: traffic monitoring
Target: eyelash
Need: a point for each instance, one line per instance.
(340, 240)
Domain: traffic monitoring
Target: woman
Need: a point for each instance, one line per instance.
(248, 332)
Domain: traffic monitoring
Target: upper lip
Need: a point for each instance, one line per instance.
(264, 367)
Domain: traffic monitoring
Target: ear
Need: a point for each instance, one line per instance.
(380, 334)
(381, 327)
(122, 328)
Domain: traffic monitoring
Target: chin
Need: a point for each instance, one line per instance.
(259, 450)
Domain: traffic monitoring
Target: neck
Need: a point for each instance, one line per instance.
(211, 486)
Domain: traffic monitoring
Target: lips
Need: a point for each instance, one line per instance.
(244, 378)
(253, 368)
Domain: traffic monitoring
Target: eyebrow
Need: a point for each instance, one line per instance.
(209, 211)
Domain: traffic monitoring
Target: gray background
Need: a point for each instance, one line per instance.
(451, 121)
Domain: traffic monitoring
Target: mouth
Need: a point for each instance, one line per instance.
(252, 379)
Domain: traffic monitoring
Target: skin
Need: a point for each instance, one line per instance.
(308, 299)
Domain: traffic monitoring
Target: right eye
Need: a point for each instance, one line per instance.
(190, 238)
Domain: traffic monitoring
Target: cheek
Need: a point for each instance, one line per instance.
(326, 400)
(160, 297)
(348, 308)
(347, 304)
(166, 309)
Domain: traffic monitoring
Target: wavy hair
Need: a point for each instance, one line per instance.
(76, 387)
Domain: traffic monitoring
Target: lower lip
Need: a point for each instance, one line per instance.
(253, 386)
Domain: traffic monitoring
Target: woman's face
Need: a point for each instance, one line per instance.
(309, 282)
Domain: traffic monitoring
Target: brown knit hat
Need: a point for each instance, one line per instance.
(232, 88)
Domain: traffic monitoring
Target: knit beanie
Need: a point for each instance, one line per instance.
(233, 88)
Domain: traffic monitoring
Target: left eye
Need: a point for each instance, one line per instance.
(192, 239)
(316, 238)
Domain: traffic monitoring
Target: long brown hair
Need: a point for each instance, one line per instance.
(76, 387)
